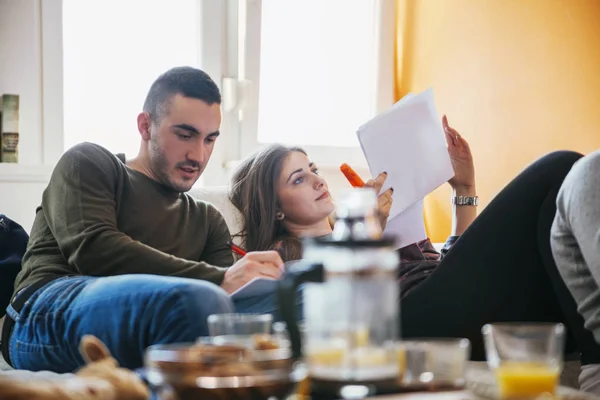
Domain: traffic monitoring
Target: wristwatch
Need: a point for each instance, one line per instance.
(465, 200)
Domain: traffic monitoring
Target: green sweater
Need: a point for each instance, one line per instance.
(99, 217)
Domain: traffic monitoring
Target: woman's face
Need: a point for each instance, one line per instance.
(303, 195)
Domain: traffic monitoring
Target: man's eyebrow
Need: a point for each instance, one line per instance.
(194, 131)
(187, 127)
(299, 170)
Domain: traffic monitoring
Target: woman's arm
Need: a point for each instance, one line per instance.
(462, 216)
(463, 181)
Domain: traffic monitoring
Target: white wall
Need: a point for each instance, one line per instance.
(21, 185)
(21, 201)
(20, 71)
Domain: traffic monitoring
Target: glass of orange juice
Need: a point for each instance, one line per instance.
(526, 358)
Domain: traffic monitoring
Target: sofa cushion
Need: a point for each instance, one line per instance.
(217, 196)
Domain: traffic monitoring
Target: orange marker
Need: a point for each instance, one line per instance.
(352, 176)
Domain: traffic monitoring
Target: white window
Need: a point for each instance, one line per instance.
(317, 70)
(113, 51)
(306, 72)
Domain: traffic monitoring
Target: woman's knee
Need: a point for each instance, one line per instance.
(550, 170)
(560, 159)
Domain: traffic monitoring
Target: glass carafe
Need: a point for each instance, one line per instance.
(351, 317)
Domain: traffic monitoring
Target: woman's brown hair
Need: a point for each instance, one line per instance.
(253, 191)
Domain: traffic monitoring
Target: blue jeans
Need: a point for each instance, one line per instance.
(128, 313)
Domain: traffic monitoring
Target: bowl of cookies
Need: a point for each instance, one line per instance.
(224, 367)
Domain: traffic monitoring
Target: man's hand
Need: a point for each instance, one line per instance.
(384, 200)
(257, 264)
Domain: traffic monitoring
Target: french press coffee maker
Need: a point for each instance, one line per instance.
(350, 308)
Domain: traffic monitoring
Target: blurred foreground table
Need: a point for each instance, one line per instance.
(480, 385)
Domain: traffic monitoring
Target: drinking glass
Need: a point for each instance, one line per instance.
(436, 364)
(239, 324)
(526, 358)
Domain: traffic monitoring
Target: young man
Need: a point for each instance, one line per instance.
(118, 250)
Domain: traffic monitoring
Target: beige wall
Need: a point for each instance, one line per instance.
(518, 78)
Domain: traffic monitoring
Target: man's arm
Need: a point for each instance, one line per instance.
(80, 208)
(217, 250)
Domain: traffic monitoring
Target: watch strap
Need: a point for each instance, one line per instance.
(465, 200)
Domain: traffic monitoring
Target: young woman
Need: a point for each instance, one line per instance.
(496, 267)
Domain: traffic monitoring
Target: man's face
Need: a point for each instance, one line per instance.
(182, 141)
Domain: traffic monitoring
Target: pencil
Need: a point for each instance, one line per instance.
(237, 250)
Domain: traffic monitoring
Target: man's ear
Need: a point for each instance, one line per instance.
(92, 349)
(144, 122)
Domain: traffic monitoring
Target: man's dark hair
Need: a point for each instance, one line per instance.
(187, 81)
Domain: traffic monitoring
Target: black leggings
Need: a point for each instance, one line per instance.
(501, 269)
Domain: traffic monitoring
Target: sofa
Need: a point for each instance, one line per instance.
(217, 196)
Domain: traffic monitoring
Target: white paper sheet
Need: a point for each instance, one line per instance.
(407, 141)
(256, 287)
(408, 227)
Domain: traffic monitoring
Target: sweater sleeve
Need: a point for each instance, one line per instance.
(578, 215)
(217, 251)
(81, 211)
(575, 237)
(424, 250)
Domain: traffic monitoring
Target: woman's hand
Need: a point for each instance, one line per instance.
(384, 204)
(384, 200)
(463, 181)
(460, 156)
